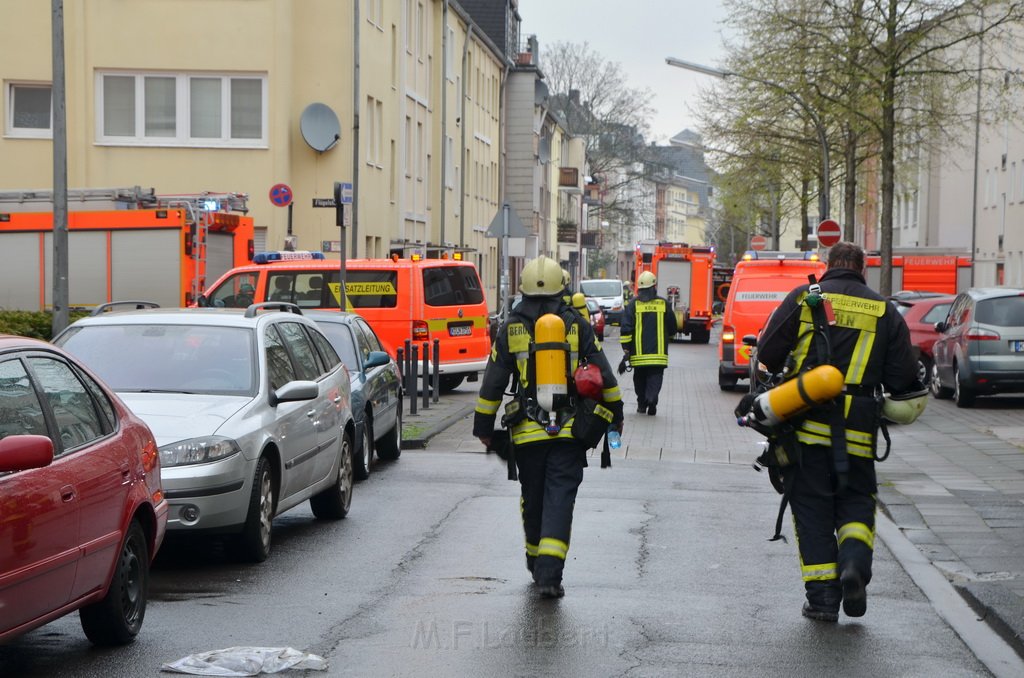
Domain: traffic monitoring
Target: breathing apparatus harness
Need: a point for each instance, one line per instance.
(782, 449)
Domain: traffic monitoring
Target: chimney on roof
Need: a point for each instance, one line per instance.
(574, 97)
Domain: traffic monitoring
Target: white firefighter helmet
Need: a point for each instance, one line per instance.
(566, 278)
(542, 277)
(906, 407)
(646, 279)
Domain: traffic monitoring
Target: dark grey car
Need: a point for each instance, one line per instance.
(376, 387)
(980, 350)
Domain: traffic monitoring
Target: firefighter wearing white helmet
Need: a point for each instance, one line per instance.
(648, 325)
(551, 426)
(839, 321)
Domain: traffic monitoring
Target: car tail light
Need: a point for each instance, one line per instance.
(420, 332)
(150, 455)
(728, 333)
(978, 334)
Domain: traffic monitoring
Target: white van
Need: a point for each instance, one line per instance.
(609, 294)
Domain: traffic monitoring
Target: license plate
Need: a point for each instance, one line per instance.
(460, 330)
(1017, 345)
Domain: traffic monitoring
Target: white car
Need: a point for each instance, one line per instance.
(251, 410)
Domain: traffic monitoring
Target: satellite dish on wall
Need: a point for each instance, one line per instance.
(544, 151)
(541, 94)
(320, 127)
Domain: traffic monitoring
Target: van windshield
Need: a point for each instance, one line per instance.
(601, 288)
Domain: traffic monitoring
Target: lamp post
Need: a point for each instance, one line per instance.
(826, 186)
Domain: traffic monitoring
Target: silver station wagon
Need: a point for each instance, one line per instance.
(251, 410)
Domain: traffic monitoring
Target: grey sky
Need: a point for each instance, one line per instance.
(639, 35)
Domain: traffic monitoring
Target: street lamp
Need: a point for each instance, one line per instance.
(826, 186)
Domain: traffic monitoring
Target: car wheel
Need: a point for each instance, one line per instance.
(117, 618)
(390, 447)
(962, 394)
(924, 370)
(450, 382)
(364, 459)
(936, 387)
(726, 382)
(335, 502)
(254, 541)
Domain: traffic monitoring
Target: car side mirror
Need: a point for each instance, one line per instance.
(202, 301)
(294, 391)
(376, 359)
(750, 340)
(23, 452)
(941, 326)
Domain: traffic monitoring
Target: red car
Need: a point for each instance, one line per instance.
(82, 511)
(596, 318)
(921, 314)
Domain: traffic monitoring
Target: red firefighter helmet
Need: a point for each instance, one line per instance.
(589, 383)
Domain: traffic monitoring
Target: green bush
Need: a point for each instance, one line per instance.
(37, 324)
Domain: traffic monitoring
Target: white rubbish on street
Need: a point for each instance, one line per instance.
(246, 661)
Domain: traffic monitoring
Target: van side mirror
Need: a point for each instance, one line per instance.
(750, 340)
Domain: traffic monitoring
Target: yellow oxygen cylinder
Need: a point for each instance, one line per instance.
(579, 302)
(550, 363)
(795, 396)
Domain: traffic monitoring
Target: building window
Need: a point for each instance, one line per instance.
(374, 131)
(181, 109)
(375, 13)
(29, 110)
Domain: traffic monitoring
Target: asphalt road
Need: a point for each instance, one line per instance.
(669, 573)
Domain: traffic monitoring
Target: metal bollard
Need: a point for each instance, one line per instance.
(426, 375)
(412, 380)
(400, 359)
(437, 370)
(406, 370)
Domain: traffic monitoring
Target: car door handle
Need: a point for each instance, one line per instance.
(311, 414)
(126, 474)
(67, 493)
(338, 399)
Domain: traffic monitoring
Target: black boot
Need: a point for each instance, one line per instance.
(855, 595)
(823, 599)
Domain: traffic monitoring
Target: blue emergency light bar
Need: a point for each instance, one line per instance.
(301, 255)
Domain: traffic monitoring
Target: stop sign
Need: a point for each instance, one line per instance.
(758, 242)
(829, 233)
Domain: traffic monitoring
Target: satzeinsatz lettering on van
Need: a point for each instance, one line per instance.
(759, 284)
(419, 300)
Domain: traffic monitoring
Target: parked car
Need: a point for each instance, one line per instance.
(82, 512)
(251, 411)
(980, 350)
(921, 314)
(597, 318)
(610, 294)
(376, 387)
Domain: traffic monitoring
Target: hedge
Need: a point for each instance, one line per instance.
(37, 324)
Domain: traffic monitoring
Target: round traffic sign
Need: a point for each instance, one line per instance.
(758, 242)
(829, 233)
(281, 195)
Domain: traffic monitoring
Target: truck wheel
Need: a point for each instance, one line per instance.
(700, 336)
(450, 382)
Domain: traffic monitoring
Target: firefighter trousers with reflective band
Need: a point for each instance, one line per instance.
(647, 382)
(550, 473)
(835, 527)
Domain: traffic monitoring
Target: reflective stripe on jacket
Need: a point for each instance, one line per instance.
(647, 325)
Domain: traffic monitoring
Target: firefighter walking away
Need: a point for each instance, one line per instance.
(548, 357)
(851, 353)
(648, 324)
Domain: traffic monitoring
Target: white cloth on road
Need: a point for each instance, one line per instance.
(246, 661)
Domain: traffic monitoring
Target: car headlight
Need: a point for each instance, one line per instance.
(198, 451)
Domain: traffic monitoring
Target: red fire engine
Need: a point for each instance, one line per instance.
(685, 279)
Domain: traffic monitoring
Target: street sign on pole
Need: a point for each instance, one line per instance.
(281, 195)
(829, 233)
(758, 242)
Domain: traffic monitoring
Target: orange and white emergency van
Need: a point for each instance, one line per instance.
(759, 284)
(412, 298)
(122, 244)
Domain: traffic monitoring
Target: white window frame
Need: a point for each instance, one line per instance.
(25, 132)
(182, 111)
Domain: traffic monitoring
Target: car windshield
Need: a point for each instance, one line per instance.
(167, 358)
(601, 288)
(1001, 311)
(340, 337)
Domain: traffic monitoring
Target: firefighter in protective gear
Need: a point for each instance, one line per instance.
(549, 459)
(832, 483)
(648, 324)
